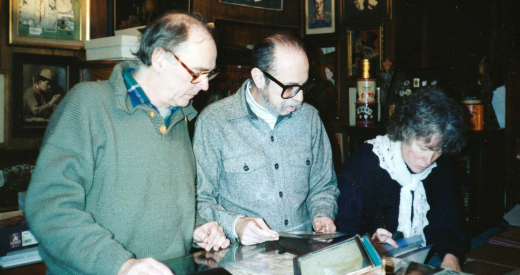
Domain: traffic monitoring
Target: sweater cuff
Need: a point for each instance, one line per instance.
(322, 211)
(112, 260)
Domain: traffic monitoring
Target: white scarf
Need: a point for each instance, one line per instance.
(391, 159)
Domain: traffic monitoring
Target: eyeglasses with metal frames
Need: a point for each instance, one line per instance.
(197, 77)
(289, 91)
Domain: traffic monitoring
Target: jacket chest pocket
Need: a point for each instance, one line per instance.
(300, 172)
(246, 177)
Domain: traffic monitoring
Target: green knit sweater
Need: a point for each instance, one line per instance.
(108, 185)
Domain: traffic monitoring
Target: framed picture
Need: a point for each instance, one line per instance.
(139, 13)
(365, 43)
(4, 98)
(49, 23)
(320, 16)
(367, 11)
(324, 74)
(269, 5)
(39, 84)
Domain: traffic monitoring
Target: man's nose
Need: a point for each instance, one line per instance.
(204, 84)
(298, 97)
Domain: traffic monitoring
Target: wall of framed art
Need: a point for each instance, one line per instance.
(61, 24)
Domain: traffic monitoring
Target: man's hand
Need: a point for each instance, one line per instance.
(254, 230)
(210, 235)
(384, 236)
(54, 99)
(451, 262)
(144, 266)
(323, 224)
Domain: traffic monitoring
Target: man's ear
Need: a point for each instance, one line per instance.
(258, 77)
(159, 59)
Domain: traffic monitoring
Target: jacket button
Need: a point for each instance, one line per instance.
(286, 222)
(272, 138)
(276, 166)
(163, 129)
(246, 168)
(280, 194)
(308, 162)
(151, 114)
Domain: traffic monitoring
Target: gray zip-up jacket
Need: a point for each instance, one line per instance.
(284, 175)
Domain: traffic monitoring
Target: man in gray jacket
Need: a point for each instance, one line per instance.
(264, 161)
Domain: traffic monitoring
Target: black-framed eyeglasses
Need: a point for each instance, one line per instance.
(197, 77)
(292, 90)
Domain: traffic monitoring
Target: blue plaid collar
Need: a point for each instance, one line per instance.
(137, 95)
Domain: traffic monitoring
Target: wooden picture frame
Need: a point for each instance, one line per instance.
(39, 82)
(131, 14)
(367, 12)
(4, 110)
(319, 24)
(363, 43)
(324, 73)
(65, 25)
(268, 5)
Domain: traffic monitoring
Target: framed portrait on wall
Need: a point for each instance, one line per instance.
(320, 16)
(364, 43)
(367, 11)
(130, 14)
(49, 23)
(39, 84)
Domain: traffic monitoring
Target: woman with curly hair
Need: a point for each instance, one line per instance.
(403, 181)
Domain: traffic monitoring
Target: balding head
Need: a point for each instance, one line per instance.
(170, 32)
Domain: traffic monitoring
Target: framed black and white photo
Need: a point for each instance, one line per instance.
(367, 11)
(39, 83)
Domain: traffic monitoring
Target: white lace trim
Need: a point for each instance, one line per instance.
(390, 159)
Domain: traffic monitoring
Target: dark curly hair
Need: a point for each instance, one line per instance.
(425, 114)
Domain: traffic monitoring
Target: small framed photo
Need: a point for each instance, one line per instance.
(46, 23)
(320, 16)
(39, 84)
(367, 11)
(364, 43)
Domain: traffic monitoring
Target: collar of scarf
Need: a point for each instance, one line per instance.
(391, 159)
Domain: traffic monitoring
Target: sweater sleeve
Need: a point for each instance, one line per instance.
(444, 224)
(352, 181)
(208, 159)
(324, 190)
(69, 236)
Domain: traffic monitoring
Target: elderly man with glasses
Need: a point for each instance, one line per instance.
(113, 191)
(264, 161)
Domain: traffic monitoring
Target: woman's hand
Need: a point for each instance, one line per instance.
(384, 236)
(451, 262)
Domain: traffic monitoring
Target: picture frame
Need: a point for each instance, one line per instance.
(367, 12)
(39, 83)
(324, 73)
(65, 25)
(268, 5)
(362, 43)
(319, 24)
(132, 14)
(4, 110)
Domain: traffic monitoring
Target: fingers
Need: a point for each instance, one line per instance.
(144, 266)
(210, 235)
(384, 236)
(254, 230)
(324, 225)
